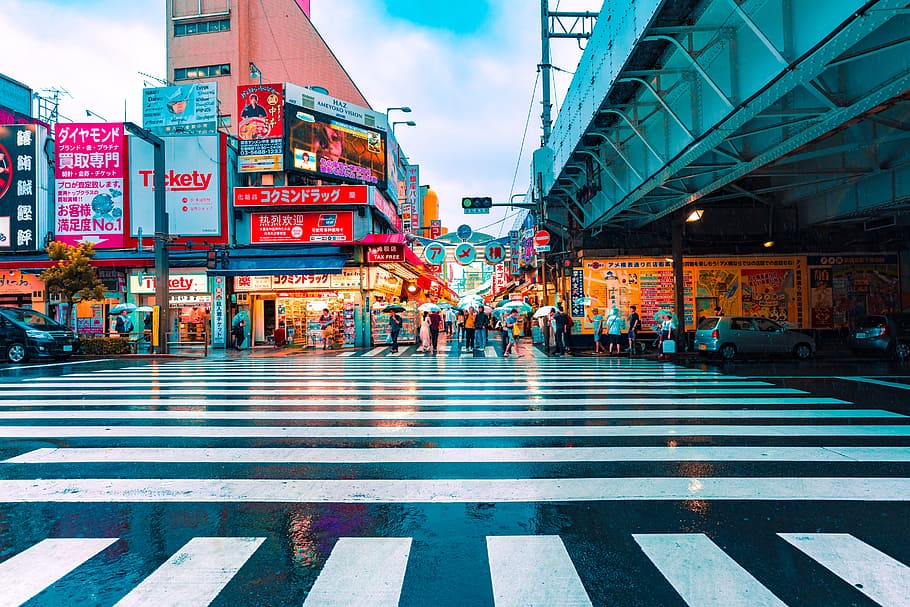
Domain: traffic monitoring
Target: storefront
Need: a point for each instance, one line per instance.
(189, 309)
(286, 309)
(385, 289)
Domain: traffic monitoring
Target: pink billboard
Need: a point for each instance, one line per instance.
(90, 168)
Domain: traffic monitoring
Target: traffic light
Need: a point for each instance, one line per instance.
(476, 202)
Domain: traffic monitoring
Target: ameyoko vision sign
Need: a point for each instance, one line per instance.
(89, 177)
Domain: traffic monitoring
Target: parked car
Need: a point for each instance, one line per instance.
(882, 333)
(28, 334)
(732, 335)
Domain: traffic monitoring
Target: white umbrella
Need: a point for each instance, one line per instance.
(120, 307)
(428, 307)
(144, 309)
(544, 311)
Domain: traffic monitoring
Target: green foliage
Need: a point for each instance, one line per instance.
(73, 277)
(104, 346)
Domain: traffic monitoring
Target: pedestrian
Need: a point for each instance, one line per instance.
(450, 321)
(614, 330)
(512, 332)
(238, 334)
(436, 323)
(424, 333)
(543, 322)
(459, 327)
(666, 335)
(634, 321)
(395, 324)
(559, 331)
(598, 320)
(123, 325)
(481, 322)
(469, 329)
(327, 322)
(567, 332)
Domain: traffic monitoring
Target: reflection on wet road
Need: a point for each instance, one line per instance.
(381, 480)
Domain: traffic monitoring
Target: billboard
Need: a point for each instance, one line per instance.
(20, 184)
(91, 160)
(191, 181)
(260, 127)
(301, 195)
(187, 109)
(324, 146)
(845, 287)
(335, 227)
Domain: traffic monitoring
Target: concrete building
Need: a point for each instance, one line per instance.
(221, 40)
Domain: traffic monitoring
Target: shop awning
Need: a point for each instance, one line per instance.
(278, 265)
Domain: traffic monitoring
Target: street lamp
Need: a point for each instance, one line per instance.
(90, 113)
(404, 122)
(403, 108)
(255, 72)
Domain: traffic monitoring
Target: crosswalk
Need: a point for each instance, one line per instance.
(348, 480)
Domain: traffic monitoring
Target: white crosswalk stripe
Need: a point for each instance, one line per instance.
(417, 429)
(362, 571)
(195, 575)
(533, 571)
(31, 571)
(880, 577)
(702, 573)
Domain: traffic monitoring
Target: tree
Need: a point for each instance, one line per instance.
(73, 277)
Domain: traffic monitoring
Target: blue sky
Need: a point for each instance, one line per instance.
(468, 69)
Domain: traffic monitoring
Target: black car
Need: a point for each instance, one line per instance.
(883, 334)
(28, 334)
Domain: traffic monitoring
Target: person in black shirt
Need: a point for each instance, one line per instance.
(252, 109)
(560, 322)
(634, 326)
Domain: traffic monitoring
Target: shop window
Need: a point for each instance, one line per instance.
(204, 71)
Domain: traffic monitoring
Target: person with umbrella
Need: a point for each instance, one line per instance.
(123, 325)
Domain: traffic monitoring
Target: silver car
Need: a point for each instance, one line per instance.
(732, 335)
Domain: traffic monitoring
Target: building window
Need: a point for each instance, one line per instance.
(202, 27)
(203, 71)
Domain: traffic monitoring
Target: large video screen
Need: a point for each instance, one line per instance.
(328, 147)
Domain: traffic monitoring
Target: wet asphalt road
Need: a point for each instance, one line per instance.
(454, 480)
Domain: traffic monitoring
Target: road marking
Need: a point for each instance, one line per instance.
(346, 354)
(536, 401)
(533, 571)
(28, 573)
(702, 573)
(195, 575)
(880, 577)
(396, 491)
(306, 388)
(562, 414)
(376, 351)
(362, 571)
(401, 350)
(876, 382)
(42, 365)
(675, 431)
(474, 455)
(410, 414)
(490, 352)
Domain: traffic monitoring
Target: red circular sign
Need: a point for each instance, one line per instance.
(541, 238)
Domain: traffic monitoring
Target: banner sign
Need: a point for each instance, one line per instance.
(845, 287)
(386, 208)
(301, 195)
(20, 185)
(514, 241)
(385, 253)
(89, 172)
(411, 189)
(326, 146)
(307, 226)
(191, 182)
(348, 279)
(260, 128)
(187, 109)
(578, 291)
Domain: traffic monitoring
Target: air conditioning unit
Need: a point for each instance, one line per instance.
(879, 223)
